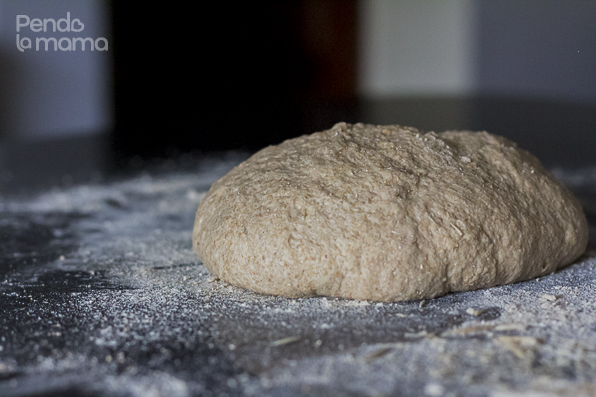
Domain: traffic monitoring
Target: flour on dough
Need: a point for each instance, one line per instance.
(387, 213)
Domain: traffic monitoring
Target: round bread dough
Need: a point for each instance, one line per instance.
(387, 213)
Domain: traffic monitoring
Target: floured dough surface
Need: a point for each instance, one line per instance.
(387, 213)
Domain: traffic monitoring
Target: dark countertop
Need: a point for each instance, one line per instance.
(101, 294)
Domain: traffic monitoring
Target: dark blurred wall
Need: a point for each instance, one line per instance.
(218, 77)
(536, 76)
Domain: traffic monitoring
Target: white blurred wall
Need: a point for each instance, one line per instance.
(413, 47)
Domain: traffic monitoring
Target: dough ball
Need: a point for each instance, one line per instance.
(387, 213)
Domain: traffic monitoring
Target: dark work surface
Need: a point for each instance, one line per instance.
(559, 133)
(101, 294)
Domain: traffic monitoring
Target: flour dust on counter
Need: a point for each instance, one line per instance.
(101, 294)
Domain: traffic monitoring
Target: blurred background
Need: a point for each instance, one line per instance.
(184, 83)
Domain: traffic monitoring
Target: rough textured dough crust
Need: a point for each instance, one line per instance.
(387, 213)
